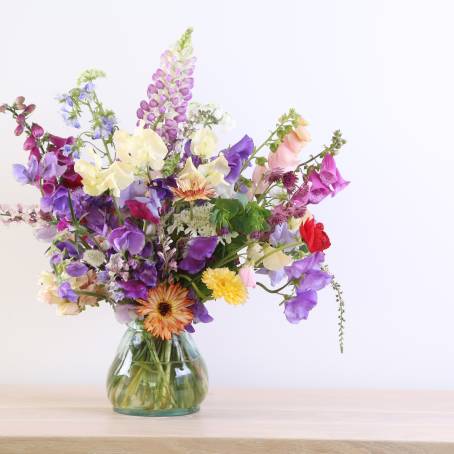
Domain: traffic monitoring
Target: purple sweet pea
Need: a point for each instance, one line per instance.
(49, 168)
(133, 289)
(76, 269)
(282, 235)
(199, 250)
(200, 313)
(196, 160)
(309, 263)
(309, 273)
(127, 238)
(66, 292)
(298, 308)
(68, 248)
(125, 313)
(147, 274)
(26, 175)
(136, 189)
(236, 156)
(46, 233)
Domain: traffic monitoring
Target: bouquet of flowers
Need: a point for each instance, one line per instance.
(159, 222)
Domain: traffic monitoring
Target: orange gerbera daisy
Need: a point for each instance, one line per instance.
(166, 310)
(192, 189)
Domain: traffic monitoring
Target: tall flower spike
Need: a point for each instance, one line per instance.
(170, 92)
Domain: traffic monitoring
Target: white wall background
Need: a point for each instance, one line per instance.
(381, 71)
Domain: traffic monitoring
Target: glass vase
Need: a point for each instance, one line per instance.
(154, 377)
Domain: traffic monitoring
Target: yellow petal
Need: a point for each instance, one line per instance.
(274, 259)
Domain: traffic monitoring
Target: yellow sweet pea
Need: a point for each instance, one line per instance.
(143, 149)
(274, 259)
(97, 180)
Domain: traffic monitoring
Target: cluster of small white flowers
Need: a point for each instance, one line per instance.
(195, 222)
(207, 115)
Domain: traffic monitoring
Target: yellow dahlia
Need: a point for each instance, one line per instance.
(166, 310)
(224, 283)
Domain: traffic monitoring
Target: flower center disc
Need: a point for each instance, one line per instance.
(164, 308)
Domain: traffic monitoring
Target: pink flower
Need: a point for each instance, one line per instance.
(286, 157)
(259, 181)
(247, 276)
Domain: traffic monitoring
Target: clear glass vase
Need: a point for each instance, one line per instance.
(154, 377)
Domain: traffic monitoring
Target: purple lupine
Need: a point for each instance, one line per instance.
(170, 92)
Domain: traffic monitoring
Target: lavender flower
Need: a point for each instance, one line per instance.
(66, 292)
(298, 308)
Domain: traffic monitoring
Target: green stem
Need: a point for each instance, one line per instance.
(280, 248)
(272, 291)
(194, 286)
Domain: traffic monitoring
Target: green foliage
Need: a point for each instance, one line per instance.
(90, 75)
(171, 164)
(252, 218)
(224, 211)
(244, 219)
(286, 123)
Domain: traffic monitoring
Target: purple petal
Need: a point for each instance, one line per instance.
(76, 269)
(298, 308)
(133, 289)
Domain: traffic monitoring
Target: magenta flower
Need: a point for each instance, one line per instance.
(318, 190)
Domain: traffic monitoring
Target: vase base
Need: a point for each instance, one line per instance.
(168, 412)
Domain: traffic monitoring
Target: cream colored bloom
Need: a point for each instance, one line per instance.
(94, 257)
(254, 253)
(203, 143)
(97, 180)
(49, 294)
(143, 149)
(274, 259)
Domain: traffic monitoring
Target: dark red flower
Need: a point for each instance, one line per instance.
(314, 236)
(140, 210)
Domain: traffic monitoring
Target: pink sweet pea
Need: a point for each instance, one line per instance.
(247, 276)
(258, 179)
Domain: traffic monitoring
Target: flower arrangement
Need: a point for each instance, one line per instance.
(161, 221)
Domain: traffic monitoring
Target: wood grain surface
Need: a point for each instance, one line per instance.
(77, 419)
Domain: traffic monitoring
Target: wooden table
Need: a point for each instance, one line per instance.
(75, 420)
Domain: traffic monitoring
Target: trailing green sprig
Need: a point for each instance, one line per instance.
(339, 293)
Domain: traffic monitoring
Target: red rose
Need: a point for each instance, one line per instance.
(314, 236)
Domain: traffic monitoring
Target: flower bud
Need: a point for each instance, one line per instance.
(37, 131)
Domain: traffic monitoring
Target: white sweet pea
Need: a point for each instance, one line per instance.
(203, 143)
(143, 149)
(274, 259)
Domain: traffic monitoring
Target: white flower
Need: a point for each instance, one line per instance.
(94, 257)
(143, 149)
(274, 259)
(203, 143)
